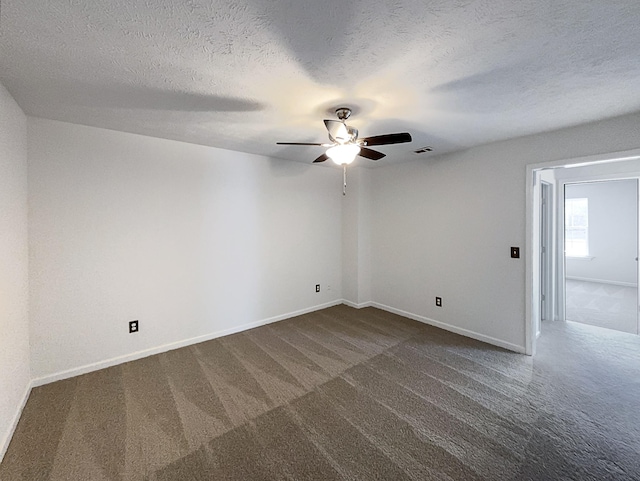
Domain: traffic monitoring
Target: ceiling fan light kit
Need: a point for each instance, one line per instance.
(345, 145)
(343, 154)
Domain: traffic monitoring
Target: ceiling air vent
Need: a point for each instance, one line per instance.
(424, 149)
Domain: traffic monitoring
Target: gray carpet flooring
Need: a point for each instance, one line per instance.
(603, 305)
(344, 394)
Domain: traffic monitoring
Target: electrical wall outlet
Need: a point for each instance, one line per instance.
(317, 287)
(133, 327)
(439, 301)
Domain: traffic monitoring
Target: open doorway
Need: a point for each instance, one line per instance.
(600, 253)
(546, 257)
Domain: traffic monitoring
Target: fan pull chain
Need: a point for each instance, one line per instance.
(344, 179)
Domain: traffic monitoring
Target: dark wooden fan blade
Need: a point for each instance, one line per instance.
(370, 154)
(322, 158)
(337, 130)
(387, 139)
(296, 143)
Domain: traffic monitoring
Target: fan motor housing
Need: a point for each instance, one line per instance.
(343, 113)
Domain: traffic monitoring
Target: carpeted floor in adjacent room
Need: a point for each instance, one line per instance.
(344, 394)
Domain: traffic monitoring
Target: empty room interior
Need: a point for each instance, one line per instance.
(319, 240)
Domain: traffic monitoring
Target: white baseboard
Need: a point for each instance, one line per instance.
(457, 330)
(602, 281)
(173, 345)
(207, 337)
(6, 439)
(195, 340)
(355, 305)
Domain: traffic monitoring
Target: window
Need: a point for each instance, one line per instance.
(576, 227)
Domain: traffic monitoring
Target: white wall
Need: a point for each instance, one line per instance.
(443, 227)
(365, 239)
(15, 376)
(350, 219)
(190, 240)
(356, 237)
(613, 232)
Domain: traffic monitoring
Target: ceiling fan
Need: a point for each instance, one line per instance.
(345, 144)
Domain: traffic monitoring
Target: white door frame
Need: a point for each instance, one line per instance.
(546, 253)
(532, 279)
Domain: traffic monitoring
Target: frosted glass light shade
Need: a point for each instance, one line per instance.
(343, 154)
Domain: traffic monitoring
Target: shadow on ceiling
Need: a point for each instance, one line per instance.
(145, 98)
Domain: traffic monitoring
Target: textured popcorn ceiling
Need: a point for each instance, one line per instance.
(243, 75)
